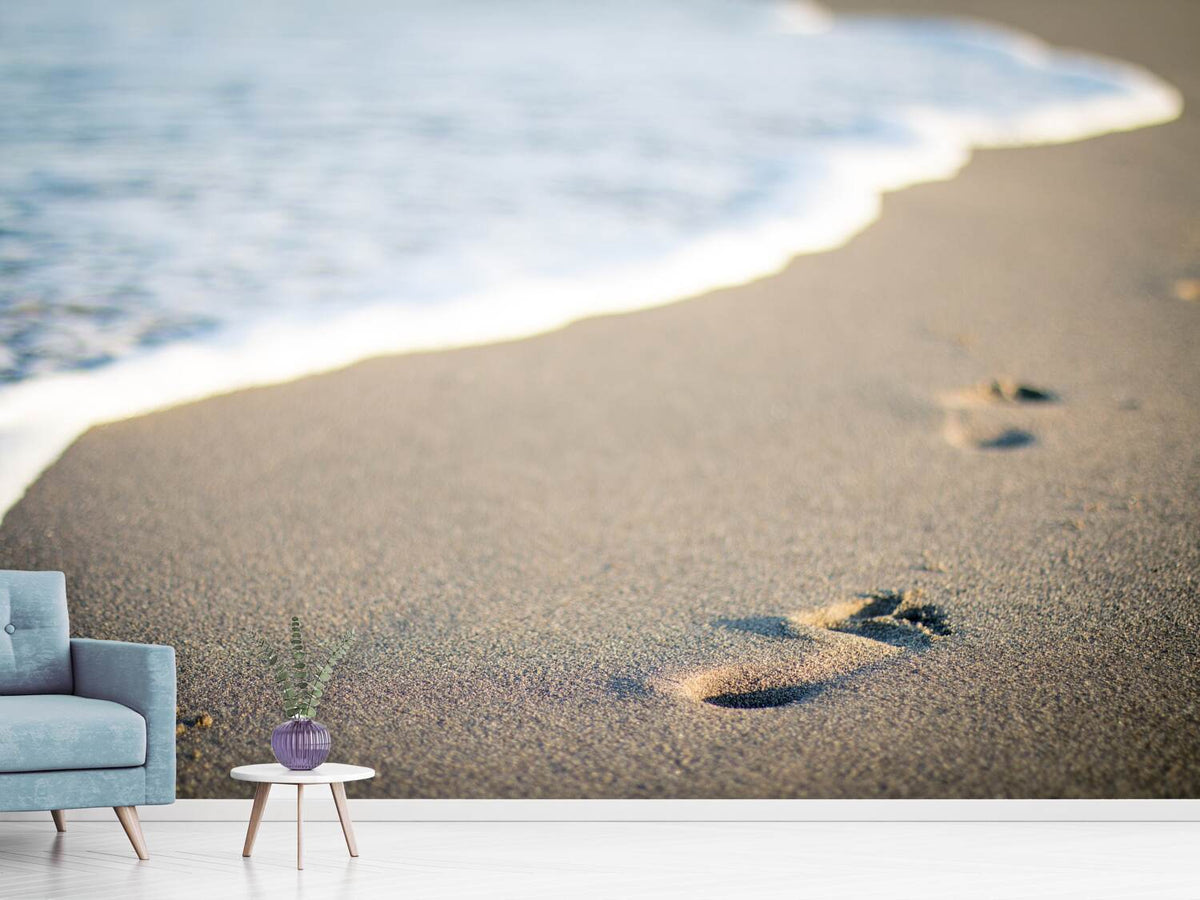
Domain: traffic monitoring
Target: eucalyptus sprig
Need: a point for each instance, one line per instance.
(301, 681)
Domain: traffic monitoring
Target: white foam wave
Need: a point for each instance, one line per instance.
(40, 417)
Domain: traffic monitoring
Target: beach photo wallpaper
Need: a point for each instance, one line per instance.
(657, 399)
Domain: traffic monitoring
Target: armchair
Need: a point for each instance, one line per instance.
(83, 723)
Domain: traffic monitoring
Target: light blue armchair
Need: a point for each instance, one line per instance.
(82, 723)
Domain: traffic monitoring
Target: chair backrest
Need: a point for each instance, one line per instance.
(35, 641)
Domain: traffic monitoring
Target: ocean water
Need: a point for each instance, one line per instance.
(196, 197)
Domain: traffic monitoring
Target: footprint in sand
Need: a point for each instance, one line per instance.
(809, 651)
(1187, 289)
(980, 417)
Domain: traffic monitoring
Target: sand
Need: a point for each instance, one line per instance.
(593, 563)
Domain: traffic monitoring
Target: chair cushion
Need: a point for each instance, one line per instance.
(35, 653)
(52, 732)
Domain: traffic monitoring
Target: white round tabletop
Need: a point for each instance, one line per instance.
(326, 773)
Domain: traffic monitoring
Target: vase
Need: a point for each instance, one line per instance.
(301, 743)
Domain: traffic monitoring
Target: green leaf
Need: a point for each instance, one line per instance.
(299, 680)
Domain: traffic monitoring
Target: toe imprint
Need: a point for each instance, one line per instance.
(998, 392)
(899, 618)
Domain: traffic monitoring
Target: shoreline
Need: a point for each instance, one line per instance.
(39, 418)
(561, 550)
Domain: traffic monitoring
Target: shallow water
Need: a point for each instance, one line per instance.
(196, 197)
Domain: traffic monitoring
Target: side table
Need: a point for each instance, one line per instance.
(333, 774)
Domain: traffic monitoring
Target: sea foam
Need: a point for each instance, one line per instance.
(198, 199)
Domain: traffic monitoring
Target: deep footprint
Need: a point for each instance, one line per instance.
(1009, 439)
(765, 699)
(765, 685)
(970, 430)
(883, 623)
(961, 432)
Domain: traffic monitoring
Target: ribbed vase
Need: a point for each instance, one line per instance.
(301, 743)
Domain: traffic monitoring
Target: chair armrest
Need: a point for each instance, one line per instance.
(141, 677)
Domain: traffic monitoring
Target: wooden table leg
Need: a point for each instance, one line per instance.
(299, 826)
(343, 811)
(256, 814)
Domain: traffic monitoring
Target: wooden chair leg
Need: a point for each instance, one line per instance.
(133, 829)
(299, 826)
(343, 811)
(60, 819)
(256, 815)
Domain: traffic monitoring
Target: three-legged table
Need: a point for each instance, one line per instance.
(333, 774)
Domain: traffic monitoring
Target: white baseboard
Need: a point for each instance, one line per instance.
(282, 806)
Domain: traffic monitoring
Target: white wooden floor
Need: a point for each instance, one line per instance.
(577, 860)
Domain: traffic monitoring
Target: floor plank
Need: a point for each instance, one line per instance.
(929, 860)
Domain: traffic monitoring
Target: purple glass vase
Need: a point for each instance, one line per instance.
(301, 743)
